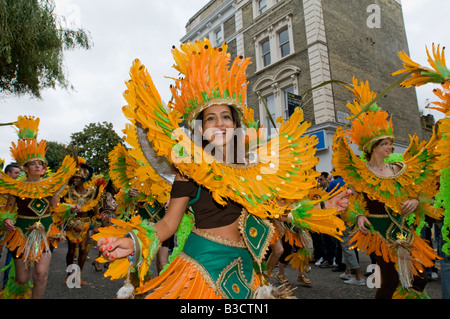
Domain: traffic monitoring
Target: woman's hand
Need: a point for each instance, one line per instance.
(340, 201)
(9, 225)
(409, 206)
(134, 192)
(115, 247)
(362, 223)
(75, 209)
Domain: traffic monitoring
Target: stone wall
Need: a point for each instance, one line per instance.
(358, 48)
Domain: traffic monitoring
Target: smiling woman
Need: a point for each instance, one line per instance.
(217, 125)
(380, 150)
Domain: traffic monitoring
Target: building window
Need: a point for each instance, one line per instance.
(273, 90)
(283, 38)
(287, 90)
(274, 43)
(262, 6)
(218, 36)
(265, 51)
(270, 103)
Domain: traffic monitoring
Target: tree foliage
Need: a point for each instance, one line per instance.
(55, 154)
(94, 144)
(32, 43)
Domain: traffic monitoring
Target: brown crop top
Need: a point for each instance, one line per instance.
(374, 207)
(207, 213)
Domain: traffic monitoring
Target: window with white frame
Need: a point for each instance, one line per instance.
(270, 104)
(262, 6)
(283, 41)
(218, 37)
(265, 52)
(273, 90)
(274, 42)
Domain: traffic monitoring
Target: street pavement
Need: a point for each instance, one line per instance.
(326, 284)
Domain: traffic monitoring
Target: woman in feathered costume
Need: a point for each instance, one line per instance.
(31, 231)
(230, 196)
(392, 194)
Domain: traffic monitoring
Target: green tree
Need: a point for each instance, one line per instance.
(32, 43)
(55, 154)
(94, 144)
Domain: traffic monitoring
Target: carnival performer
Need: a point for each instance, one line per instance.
(108, 204)
(291, 245)
(392, 194)
(140, 192)
(231, 194)
(107, 209)
(79, 210)
(31, 231)
(13, 171)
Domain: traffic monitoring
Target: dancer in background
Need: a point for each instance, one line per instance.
(392, 194)
(83, 202)
(31, 233)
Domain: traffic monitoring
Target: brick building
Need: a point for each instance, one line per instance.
(298, 44)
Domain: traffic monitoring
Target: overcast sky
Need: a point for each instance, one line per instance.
(146, 29)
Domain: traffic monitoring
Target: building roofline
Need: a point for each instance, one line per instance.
(200, 11)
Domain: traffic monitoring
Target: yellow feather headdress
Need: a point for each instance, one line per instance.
(371, 125)
(28, 149)
(208, 79)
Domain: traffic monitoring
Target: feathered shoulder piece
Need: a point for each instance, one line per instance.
(29, 149)
(44, 188)
(127, 172)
